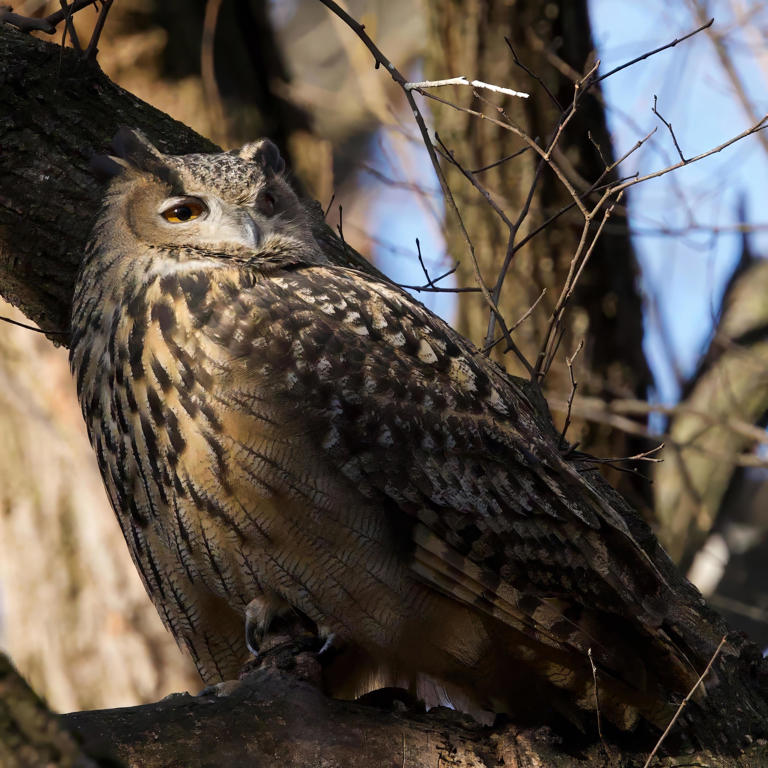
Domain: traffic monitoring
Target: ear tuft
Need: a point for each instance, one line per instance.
(106, 167)
(265, 154)
(133, 146)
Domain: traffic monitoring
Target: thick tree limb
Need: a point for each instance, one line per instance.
(30, 735)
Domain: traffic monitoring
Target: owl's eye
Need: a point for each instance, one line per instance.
(265, 204)
(184, 209)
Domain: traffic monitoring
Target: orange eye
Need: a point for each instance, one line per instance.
(184, 209)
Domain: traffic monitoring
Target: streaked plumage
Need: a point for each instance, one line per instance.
(274, 428)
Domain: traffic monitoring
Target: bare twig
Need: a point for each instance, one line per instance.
(574, 386)
(463, 81)
(93, 45)
(575, 270)
(512, 250)
(330, 203)
(648, 55)
(684, 702)
(729, 67)
(340, 227)
(759, 126)
(500, 162)
(449, 155)
(579, 88)
(533, 75)
(669, 126)
(381, 60)
(528, 311)
(69, 27)
(597, 698)
(33, 328)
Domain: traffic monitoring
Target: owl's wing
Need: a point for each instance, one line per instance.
(422, 424)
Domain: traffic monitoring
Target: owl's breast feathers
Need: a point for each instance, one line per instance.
(315, 434)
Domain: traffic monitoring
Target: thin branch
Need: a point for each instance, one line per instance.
(449, 155)
(730, 68)
(684, 702)
(575, 270)
(759, 126)
(500, 162)
(528, 311)
(511, 249)
(533, 75)
(33, 328)
(574, 386)
(330, 203)
(463, 81)
(69, 27)
(578, 91)
(520, 133)
(93, 45)
(597, 698)
(669, 126)
(644, 56)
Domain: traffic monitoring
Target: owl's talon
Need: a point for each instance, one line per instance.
(262, 615)
(253, 636)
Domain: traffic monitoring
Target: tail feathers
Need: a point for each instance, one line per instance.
(639, 669)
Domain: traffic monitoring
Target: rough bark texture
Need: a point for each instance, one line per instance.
(57, 111)
(554, 41)
(30, 735)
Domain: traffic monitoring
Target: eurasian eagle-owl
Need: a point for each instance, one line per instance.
(277, 431)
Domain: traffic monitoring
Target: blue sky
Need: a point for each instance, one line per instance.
(683, 276)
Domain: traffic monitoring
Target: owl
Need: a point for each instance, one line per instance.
(280, 436)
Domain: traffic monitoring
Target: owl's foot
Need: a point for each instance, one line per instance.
(280, 637)
(266, 614)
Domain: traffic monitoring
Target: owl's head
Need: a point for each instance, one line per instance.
(229, 205)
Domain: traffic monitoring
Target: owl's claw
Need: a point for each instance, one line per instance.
(328, 645)
(261, 616)
(253, 636)
(332, 646)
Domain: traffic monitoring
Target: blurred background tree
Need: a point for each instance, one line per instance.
(671, 308)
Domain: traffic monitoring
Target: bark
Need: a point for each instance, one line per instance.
(554, 41)
(30, 735)
(57, 111)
